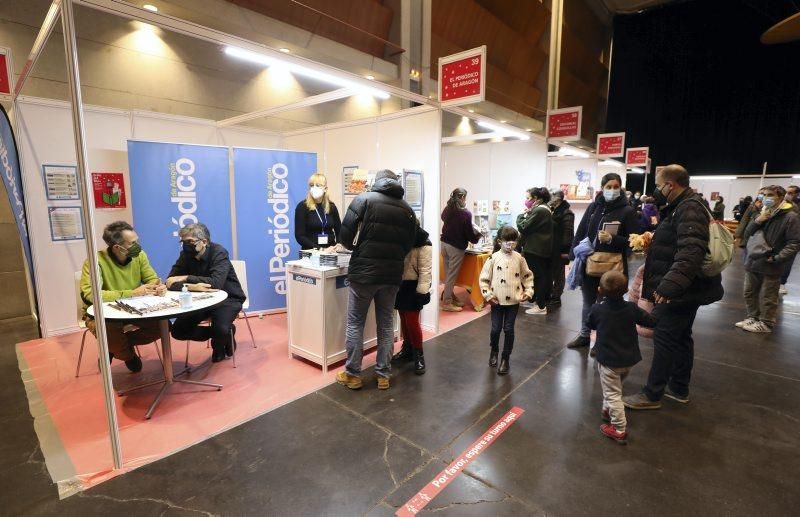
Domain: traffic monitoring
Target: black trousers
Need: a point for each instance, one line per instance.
(503, 318)
(673, 356)
(221, 316)
(559, 277)
(542, 278)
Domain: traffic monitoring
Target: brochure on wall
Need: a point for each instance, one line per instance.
(109, 190)
(412, 182)
(66, 223)
(501, 206)
(480, 207)
(61, 182)
(356, 180)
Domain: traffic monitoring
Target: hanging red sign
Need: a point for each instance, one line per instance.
(636, 156)
(462, 77)
(565, 123)
(109, 190)
(611, 145)
(5, 79)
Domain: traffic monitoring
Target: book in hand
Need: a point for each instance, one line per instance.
(611, 227)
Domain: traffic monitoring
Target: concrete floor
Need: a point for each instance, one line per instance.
(734, 450)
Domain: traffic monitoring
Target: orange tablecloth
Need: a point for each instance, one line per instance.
(469, 276)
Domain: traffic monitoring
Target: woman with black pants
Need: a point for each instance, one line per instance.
(535, 227)
(610, 206)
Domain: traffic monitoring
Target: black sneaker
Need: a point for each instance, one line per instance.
(217, 355)
(493, 358)
(504, 367)
(579, 342)
(419, 362)
(683, 399)
(135, 364)
(404, 355)
(554, 303)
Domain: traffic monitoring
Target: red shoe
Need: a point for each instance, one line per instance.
(606, 416)
(611, 432)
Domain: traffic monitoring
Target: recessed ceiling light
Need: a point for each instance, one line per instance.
(471, 110)
(503, 121)
(150, 7)
(370, 77)
(528, 129)
(284, 50)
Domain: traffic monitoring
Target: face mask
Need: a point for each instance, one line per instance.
(610, 194)
(760, 197)
(317, 192)
(660, 197)
(189, 248)
(769, 202)
(637, 196)
(528, 203)
(134, 250)
(508, 246)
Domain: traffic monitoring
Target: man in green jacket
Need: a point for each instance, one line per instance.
(124, 272)
(535, 227)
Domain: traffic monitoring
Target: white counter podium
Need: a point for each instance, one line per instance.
(316, 301)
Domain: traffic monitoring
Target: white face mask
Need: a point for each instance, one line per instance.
(317, 193)
(508, 246)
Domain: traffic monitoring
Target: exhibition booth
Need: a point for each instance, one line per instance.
(85, 166)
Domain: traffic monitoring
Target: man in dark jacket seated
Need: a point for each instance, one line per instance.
(674, 280)
(379, 227)
(204, 265)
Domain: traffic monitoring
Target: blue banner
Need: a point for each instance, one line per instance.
(173, 185)
(269, 184)
(12, 178)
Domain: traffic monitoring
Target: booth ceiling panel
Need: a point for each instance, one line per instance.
(370, 16)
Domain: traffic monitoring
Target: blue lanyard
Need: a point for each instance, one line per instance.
(325, 221)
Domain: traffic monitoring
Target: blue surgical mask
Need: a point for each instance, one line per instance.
(610, 194)
(760, 197)
(769, 202)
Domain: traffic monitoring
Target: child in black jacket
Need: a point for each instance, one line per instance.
(617, 347)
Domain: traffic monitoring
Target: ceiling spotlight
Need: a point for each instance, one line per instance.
(528, 129)
(503, 121)
(284, 50)
(471, 110)
(370, 77)
(150, 7)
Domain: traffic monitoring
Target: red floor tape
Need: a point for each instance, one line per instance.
(432, 489)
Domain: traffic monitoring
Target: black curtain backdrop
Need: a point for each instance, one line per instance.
(692, 81)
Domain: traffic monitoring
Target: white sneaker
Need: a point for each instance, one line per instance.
(758, 327)
(749, 321)
(451, 308)
(783, 290)
(536, 310)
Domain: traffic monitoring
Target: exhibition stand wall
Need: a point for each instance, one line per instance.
(731, 188)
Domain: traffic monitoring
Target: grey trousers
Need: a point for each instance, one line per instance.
(761, 296)
(359, 299)
(611, 380)
(452, 258)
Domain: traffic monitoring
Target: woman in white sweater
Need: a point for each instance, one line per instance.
(415, 293)
(506, 281)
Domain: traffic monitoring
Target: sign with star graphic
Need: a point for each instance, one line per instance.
(462, 77)
(564, 123)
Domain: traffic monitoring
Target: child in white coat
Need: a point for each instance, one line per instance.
(505, 282)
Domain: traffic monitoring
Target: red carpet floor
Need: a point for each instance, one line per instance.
(70, 416)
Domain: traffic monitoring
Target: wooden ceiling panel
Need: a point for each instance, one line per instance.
(370, 16)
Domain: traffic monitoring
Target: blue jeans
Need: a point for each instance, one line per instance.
(358, 302)
(503, 319)
(589, 292)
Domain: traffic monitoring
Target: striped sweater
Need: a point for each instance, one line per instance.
(506, 276)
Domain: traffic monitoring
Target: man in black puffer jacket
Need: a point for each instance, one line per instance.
(674, 280)
(379, 227)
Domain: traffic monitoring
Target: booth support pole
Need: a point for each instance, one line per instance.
(763, 174)
(554, 65)
(79, 128)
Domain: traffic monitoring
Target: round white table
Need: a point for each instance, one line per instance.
(111, 312)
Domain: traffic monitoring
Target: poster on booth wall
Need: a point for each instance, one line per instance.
(269, 184)
(66, 223)
(173, 185)
(109, 190)
(61, 182)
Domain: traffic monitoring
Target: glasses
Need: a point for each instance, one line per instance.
(192, 241)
